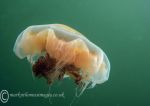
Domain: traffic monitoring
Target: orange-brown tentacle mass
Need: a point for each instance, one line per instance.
(45, 67)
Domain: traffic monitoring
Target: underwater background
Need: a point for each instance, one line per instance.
(120, 27)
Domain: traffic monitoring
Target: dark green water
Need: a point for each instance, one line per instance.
(120, 27)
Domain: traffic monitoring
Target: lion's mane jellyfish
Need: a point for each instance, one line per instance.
(57, 51)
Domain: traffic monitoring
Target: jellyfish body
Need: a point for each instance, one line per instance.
(56, 51)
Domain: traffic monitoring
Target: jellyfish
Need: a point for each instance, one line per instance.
(57, 51)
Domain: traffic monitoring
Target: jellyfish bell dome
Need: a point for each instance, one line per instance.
(56, 51)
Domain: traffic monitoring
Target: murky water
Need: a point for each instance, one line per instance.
(120, 28)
